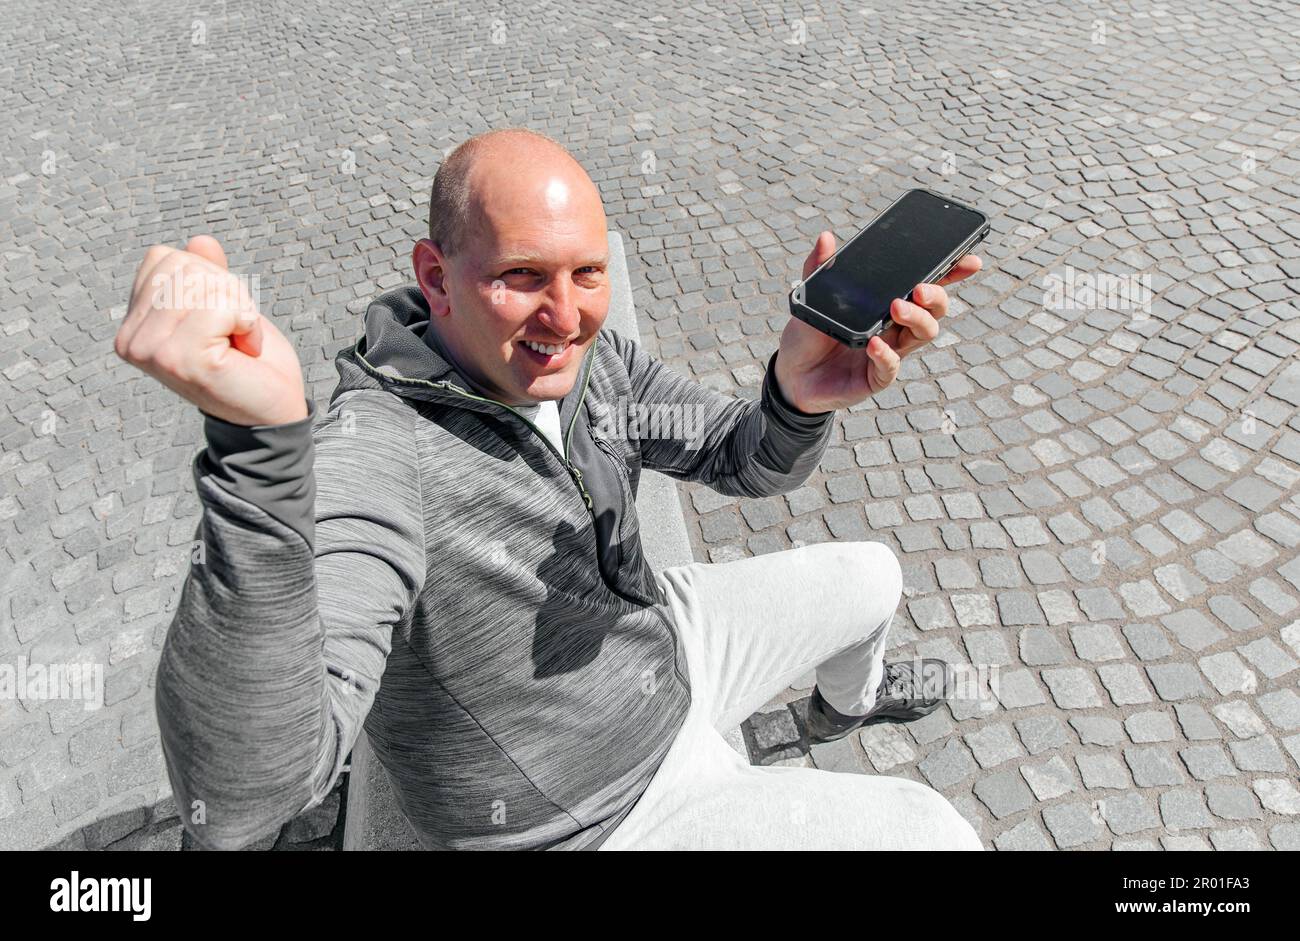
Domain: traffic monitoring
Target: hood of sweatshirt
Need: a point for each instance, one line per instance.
(401, 353)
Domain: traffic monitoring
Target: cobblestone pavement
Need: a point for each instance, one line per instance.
(1093, 493)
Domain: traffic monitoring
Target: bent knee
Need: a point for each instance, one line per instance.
(884, 575)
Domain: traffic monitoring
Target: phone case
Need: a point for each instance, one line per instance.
(855, 338)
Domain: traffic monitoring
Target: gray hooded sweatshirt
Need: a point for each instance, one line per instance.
(424, 563)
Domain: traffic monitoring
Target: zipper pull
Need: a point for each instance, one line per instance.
(577, 476)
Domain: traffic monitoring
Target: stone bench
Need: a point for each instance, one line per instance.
(373, 820)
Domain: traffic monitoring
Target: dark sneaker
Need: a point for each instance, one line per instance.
(909, 690)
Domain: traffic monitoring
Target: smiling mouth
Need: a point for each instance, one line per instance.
(546, 354)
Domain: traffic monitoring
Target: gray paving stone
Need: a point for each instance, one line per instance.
(1043, 568)
(937, 725)
(1192, 629)
(1153, 766)
(987, 648)
(1176, 681)
(1184, 809)
(1154, 541)
(774, 728)
(1098, 604)
(759, 514)
(1215, 566)
(1236, 839)
(1273, 596)
(1068, 528)
(1183, 526)
(1072, 687)
(1291, 570)
(1269, 658)
(954, 574)
(1004, 793)
(987, 535)
(1195, 722)
(1040, 734)
(1277, 795)
(973, 609)
(1240, 718)
(1096, 642)
(836, 756)
(1098, 730)
(886, 746)
(1247, 549)
(1039, 647)
(1233, 613)
(1152, 726)
(1019, 607)
(1026, 531)
(1101, 514)
(846, 489)
(1072, 824)
(1143, 599)
(930, 613)
(1124, 683)
(948, 766)
(1260, 753)
(1147, 641)
(1128, 813)
(1182, 842)
(1059, 607)
(1282, 707)
(1228, 673)
(1254, 494)
(1049, 779)
(993, 744)
(1025, 835)
(1017, 689)
(1102, 770)
(1000, 572)
(1232, 801)
(1206, 762)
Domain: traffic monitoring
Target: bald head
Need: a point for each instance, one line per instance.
(502, 171)
(516, 266)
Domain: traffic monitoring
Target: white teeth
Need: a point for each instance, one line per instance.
(545, 350)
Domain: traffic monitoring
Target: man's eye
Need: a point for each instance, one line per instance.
(586, 271)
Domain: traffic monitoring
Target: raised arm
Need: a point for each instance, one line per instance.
(276, 650)
(309, 552)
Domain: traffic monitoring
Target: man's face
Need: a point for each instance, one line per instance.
(520, 304)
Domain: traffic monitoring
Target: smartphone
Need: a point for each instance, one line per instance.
(916, 240)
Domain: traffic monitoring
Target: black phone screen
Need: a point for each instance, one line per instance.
(888, 258)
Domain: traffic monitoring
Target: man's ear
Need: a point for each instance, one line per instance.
(430, 273)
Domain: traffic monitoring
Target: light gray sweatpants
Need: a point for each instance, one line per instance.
(750, 628)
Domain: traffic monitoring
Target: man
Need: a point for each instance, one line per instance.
(451, 555)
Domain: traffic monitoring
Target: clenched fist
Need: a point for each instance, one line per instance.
(193, 326)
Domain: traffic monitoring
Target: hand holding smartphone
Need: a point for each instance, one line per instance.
(916, 240)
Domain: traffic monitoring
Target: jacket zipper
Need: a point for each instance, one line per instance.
(576, 474)
(572, 468)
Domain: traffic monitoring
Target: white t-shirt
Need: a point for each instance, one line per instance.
(545, 416)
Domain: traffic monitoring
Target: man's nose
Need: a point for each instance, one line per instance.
(561, 315)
